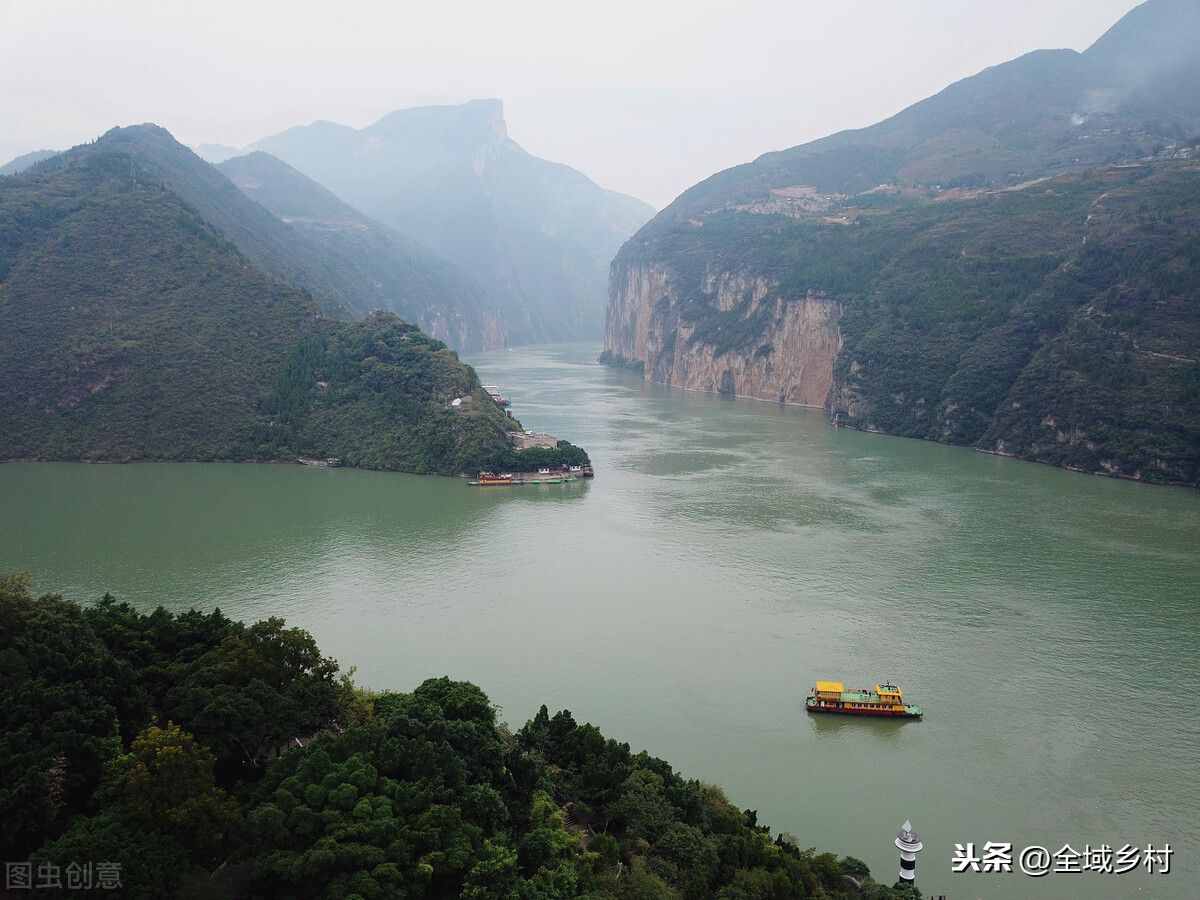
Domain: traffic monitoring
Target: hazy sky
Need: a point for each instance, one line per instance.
(646, 97)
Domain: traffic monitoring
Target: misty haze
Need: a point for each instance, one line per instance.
(737, 451)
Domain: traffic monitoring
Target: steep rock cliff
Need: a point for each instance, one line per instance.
(797, 338)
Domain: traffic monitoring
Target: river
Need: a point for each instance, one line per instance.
(727, 554)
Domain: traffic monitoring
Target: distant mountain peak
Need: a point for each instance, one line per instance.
(216, 153)
(537, 235)
(25, 161)
(1154, 37)
(471, 123)
(140, 130)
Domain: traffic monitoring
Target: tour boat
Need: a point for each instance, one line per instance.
(490, 479)
(885, 700)
(542, 476)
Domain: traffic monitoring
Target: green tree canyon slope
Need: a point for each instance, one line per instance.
(1013, 264)
(151, 311)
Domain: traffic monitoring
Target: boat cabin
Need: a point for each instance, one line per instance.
(829, 690)
(889, 693)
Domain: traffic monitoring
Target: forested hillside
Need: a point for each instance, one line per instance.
(377, 395)
(134, 329)
(392, 272)
(172, 743)
(350, 265)
(1011, 265)
(152, 157)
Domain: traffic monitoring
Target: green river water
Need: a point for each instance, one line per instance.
(727, 554)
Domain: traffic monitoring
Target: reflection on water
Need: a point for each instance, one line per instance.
(832, 727)
(727, 555)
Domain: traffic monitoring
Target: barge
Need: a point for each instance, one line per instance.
(512, 479)
(884, 700)
(558, 475)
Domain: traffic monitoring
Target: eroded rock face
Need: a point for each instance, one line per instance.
(483, 332)
(789, 359)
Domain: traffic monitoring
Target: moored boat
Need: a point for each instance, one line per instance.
(491, 479)
(507, 479)
(885, 699)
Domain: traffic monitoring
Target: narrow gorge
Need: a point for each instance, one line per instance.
(1010, 265)
(1051, 322)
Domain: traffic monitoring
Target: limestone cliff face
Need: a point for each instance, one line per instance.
(786, 346)
(468, 334)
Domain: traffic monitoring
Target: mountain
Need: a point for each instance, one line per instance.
(23, 162)
(1128, 96)
(133, 325)
(538, 235)
(388, 270)
(1007, 265)
(216, 153)
(405, 279)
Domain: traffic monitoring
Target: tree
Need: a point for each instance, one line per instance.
(152, 865)
(642, 808)
(252, 694)
(59, 721)
(165, 783)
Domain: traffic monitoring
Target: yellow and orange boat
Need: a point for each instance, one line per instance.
(512, 479)
(885, 700)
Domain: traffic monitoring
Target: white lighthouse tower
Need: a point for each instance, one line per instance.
(909, 844)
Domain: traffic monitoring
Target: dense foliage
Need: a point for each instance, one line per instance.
(378, 394)
(135, 329)
(215, 759)
(1055, 323)
(131, 328)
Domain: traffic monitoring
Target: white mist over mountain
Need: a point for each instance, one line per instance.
(644, 98)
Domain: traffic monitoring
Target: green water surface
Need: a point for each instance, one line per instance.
(728, 554)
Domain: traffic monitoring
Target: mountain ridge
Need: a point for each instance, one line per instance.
(137, 329)
(916, 276)
(25, 161)
(538, 235)
(390, 271)
(1042, 99)
(341, 275)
